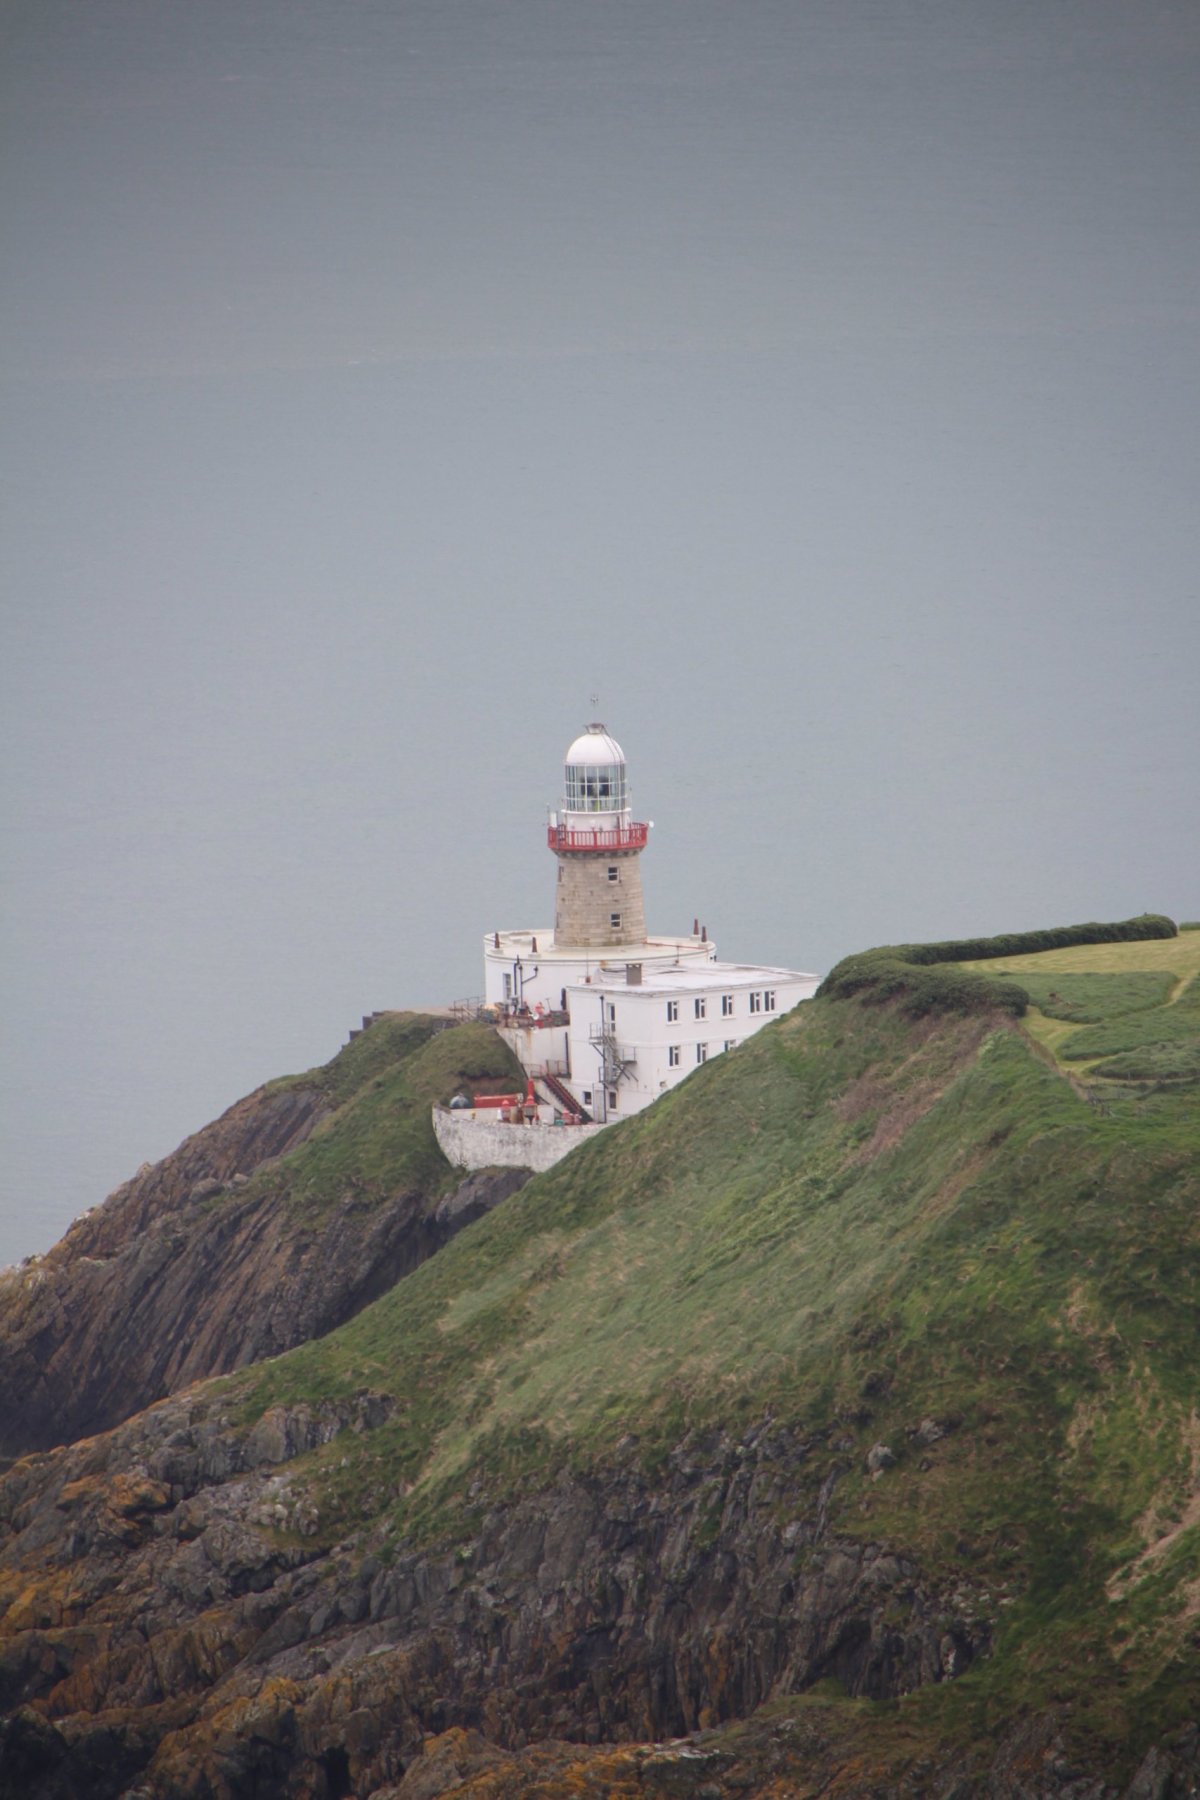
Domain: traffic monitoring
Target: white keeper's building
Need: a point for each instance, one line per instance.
(604, 1017)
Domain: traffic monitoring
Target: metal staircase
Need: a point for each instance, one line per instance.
(615, 1060)
(564, 1097)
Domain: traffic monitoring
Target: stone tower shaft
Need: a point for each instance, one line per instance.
(598, 847)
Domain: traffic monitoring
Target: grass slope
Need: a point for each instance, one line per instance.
(1127, 1012)
(855, 1221)
(378, 1140)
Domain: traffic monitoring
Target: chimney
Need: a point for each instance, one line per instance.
(633, 974)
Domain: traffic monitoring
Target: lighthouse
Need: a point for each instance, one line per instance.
(603, 1015)
(599, 913)
(598, 846)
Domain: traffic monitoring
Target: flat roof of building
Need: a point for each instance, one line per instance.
(689, 976)
(653, 950)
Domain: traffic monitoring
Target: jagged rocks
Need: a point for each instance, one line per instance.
(478, 1194)
(663, 1606)
(182, 1275)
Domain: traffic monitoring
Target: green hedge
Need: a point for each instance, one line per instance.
(908, 972)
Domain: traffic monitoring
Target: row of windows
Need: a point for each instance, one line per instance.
(674, 1061)
(761, 1001)
(675, 1052)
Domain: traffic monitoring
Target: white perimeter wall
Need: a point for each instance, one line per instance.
(488, 1144)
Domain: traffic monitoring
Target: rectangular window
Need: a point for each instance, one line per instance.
(727, 1006)
(673, 1056)
(701, 1006)
(769, 1000)
(614, 873)
(611, 1010)
(614, 920)
(731, 1043)
(701, 1052)
(756, 1003)
(586, 1096)
(508, 987)
(672, 1011)
(612, 1099)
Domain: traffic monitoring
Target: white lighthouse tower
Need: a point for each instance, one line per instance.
(598, 844)
(599, 913)
(603, 1016)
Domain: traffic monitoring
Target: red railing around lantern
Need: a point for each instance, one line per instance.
(625, 837)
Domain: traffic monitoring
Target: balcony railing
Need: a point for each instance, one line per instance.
(616, 1056)
(625, 837)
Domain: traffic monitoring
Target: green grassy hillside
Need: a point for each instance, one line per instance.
(1127, 1012)
(378, 1138)
(840, 1411)
(857, 1222)
(270, 1226)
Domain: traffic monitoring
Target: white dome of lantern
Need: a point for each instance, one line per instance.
(595, 780)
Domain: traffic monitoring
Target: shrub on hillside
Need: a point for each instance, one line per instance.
(879, 975)
(1058, 937)
(908, 972)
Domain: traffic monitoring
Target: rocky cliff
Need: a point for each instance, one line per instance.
(232, 1249)
(171, 1613)
(829, 1428)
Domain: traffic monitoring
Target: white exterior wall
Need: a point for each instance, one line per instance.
(476, 1143)
(540, 1050)
(643, 1030)
(546, 971)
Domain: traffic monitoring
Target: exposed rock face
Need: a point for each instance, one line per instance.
(160, 1581)
(170, 1630)
(214, 1601)
(179, 1275)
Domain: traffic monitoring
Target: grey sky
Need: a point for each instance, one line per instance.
(816, 382)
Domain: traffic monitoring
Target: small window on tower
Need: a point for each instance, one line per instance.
(614, 873)
(614, 920)
(560, 871)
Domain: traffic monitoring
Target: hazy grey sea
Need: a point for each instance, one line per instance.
(813, 382)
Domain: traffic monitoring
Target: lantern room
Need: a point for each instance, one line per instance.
(594, 774)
